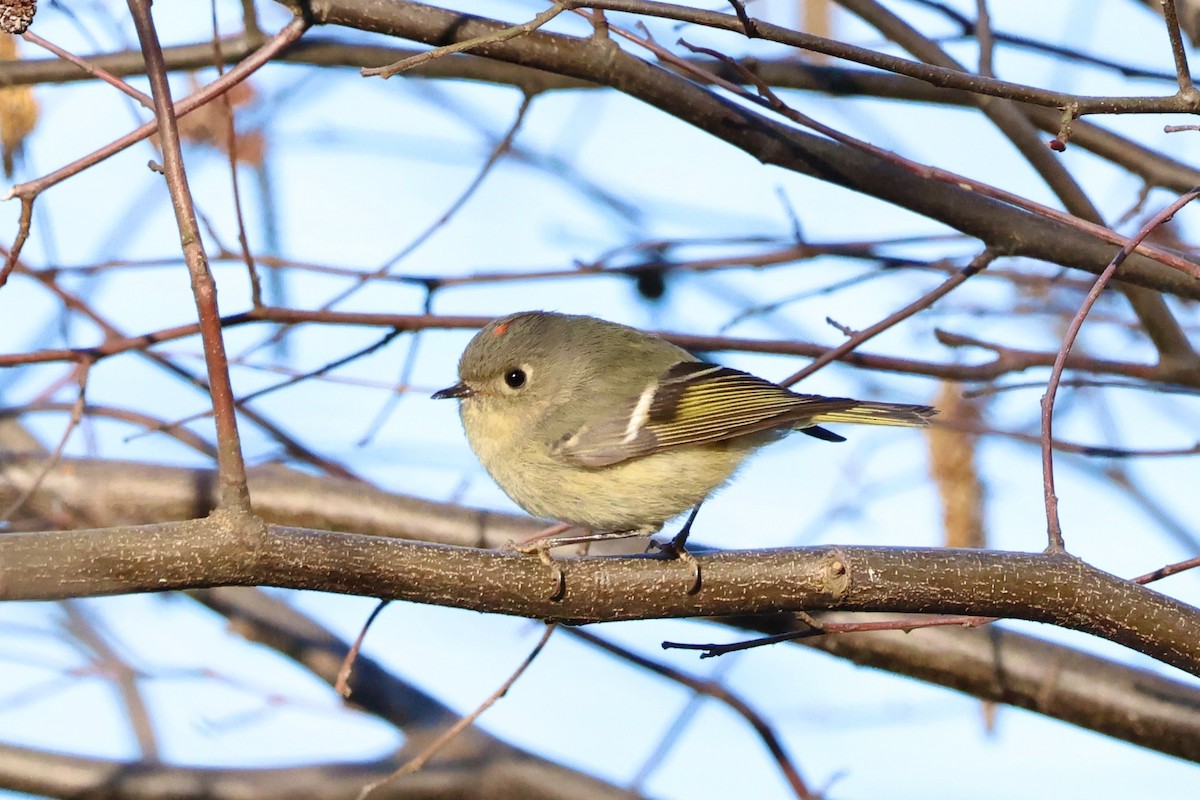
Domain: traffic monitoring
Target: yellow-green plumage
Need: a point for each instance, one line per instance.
(613, 429)
(866, 413)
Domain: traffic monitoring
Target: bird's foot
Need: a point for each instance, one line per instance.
(540, 544)
(676, 549)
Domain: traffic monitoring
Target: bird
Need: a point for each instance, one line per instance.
(614, 430)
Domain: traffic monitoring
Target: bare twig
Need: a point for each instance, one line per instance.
(716, 691)
(419, 761)
(1178, 51)
(230, 464)
(462, 47)
(76, 414)
(1053, 526)
(342, 684)
(977, 264)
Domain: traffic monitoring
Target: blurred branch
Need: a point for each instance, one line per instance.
(266, 620)
(56, 775)
(995, 664)
(93, 639)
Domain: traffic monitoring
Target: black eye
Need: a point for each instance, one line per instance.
(515, 378)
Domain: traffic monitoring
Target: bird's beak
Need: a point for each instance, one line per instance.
(458, 391)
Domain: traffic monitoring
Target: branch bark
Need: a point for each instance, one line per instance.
(217, 551)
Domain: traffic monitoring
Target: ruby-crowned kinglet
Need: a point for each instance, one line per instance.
(603, 426)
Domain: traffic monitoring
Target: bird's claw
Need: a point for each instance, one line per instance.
(676, 550)
(541, 549)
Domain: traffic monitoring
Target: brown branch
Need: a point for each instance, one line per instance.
(112, 335)
(1183, 74)
(221, 551)
(1002, 666)
(231, 467)
(460, 47)
(1053, 526)
(1154, 167)
(289, 34)
(853, 341)
(91, 69)
(1086, 218)
(1175, 350)
(937, 76)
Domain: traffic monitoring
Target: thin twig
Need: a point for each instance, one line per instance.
(460, 47)
(91, 69)
(983, 35)
(291, 381)
(718, 692)
(342, 684)
(231, 466)
(53, 458)
(1182, 73)
(712, 650)
(1053, 525)
(429, 752)
(231, 150)
(1170, 569)
(925, 301)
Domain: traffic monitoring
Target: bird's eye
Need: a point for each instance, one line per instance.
(515, 378)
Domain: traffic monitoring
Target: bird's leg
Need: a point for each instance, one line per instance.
(528, 543)
(542, 542)
(549, 539)
(677, 548)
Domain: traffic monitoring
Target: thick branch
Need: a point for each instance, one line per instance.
(1056, 589)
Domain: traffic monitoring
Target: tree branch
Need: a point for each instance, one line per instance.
(1051, 588)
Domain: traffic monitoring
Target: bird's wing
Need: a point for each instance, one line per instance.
(693, 403)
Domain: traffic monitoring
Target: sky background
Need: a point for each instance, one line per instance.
(360, 167)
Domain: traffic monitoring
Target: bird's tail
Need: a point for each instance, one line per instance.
(867, 413)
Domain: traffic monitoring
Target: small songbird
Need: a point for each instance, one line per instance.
(615, 430)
